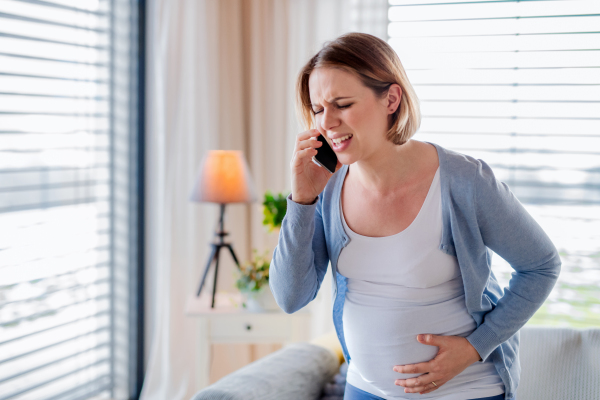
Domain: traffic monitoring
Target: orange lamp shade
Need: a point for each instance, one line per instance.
(224, 178)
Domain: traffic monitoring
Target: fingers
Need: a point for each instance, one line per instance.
(308, 152)
(308, 143)
(421, 384)
(300, 155)
(430, 388)
(419, 381)
(432, 340)
(420, 368)
(306, 135)
(455, 354)
(305, 146)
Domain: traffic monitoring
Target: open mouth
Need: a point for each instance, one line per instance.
(339, 141)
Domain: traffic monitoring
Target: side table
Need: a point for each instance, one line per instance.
(227, 323)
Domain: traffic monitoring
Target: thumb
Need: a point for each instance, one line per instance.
(429, 339)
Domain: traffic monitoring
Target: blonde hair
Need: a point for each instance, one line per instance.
(377, 65)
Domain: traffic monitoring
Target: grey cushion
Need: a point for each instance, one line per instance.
(559, 364)
(297, 371)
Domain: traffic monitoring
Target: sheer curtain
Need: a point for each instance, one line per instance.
(182, 123)
(221, 75)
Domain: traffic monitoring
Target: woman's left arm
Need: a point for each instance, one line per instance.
(506, 228)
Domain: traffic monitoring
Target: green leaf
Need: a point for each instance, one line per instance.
(274, 209)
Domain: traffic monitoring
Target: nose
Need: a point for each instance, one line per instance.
(329, 119)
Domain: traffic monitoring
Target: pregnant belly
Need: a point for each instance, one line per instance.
(381, 333)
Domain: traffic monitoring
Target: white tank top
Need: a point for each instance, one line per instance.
(398, 287)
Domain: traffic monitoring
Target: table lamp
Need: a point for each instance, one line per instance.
(224, 178)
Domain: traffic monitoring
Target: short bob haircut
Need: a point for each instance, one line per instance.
(377, 65)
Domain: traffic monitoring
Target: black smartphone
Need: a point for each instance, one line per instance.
(325, 157)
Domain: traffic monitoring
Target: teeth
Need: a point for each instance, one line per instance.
(340, 140)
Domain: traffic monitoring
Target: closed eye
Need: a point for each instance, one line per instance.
(340, 107)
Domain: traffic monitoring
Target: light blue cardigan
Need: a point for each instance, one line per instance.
(479, 213)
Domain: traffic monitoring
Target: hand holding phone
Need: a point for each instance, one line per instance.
(308, 179)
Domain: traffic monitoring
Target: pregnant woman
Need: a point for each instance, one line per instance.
(408, 227)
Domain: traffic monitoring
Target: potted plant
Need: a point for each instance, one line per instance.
(253, 282)
(253, 276)
(274, 210)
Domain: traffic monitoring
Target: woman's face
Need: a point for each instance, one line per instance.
(345, 108)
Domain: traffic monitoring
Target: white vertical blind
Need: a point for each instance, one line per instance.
(517, 84)
(59, 197)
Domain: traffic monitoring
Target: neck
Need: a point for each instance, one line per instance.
(388, 169)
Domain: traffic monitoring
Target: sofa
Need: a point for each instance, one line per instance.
(556, 364)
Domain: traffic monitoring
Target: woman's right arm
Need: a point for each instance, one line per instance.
(300, 259)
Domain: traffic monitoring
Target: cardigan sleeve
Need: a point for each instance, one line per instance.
(512, 233)
(300, 259)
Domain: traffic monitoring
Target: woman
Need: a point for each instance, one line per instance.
(407, 227)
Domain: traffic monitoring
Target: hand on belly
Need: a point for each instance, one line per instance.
(454, 355)
(382, 334)
(376, 361)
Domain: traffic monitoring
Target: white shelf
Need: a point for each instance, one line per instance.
(228, 322)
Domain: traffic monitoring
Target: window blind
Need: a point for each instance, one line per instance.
(68, 200)
(517, 84)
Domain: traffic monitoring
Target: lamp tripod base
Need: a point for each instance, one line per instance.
(214, 256)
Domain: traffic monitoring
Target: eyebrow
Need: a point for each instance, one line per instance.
(335, 99)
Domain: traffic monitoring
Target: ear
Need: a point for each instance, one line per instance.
(394, 96)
